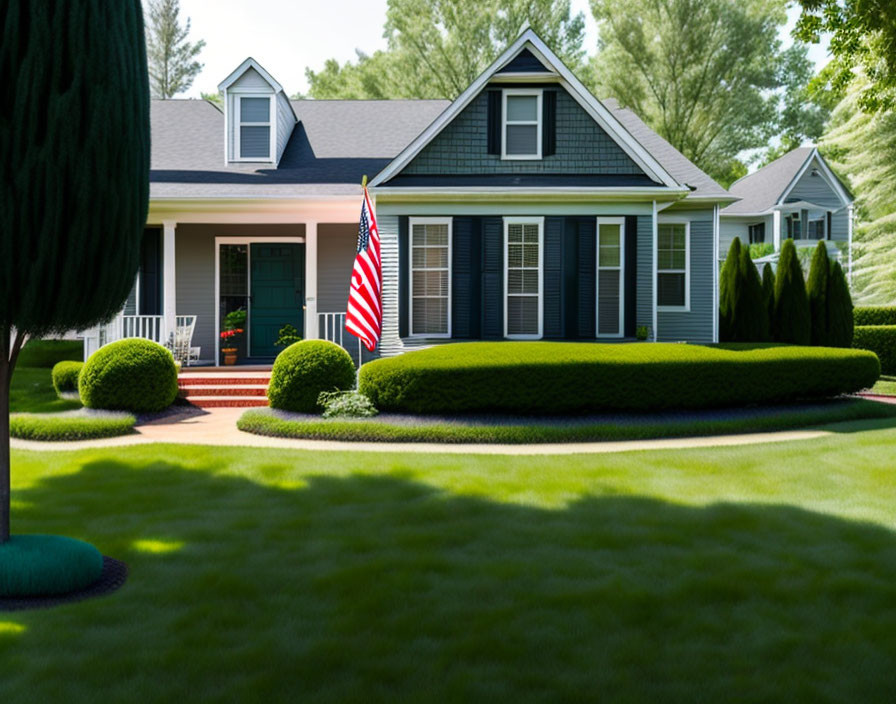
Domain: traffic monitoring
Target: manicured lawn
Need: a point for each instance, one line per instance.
(32, 391)
(885, 385)
(760, 573)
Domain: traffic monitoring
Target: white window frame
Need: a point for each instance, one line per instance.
(620, 268)
(686, 308)
(508, 221)
(238, 107)
(427, 221)
(539, 95)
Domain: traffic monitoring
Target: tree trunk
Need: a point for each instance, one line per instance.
(5, 375)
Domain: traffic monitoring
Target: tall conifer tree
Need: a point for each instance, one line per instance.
(792, 320)
(817, 291)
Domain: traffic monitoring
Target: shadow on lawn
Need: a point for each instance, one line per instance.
(367, 588)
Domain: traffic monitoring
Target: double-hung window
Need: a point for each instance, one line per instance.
(254, 132)
(816, 229)
(673, 266)
(521, 131)
(430, 314)
(523, 277)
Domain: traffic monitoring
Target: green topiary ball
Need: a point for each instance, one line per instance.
(129, 375)
(65, 376)
(303, 370)
(46, 565)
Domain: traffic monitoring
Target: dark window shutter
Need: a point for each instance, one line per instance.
(553, 277)
(403, 276)
(492, 278)
(494, 122)
(629, 325)
(827, 230)
(549, 123)
(461, 277)
(151, 273)
(587, 276)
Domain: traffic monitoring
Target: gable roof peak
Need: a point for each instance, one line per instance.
(245, 66)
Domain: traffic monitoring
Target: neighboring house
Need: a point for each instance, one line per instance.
(797, 197)
(524, 209)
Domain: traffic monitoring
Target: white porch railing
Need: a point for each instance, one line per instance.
(331, 326)
(149, 327)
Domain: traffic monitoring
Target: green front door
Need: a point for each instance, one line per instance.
(277, 294)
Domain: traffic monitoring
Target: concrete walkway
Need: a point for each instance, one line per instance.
(217, 427)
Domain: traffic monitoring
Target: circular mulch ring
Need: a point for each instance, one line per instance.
(112, 578)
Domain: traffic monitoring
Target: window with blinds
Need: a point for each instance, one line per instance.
(610, 259)
(672, 265)
(255, 128)
(430, 310)
(522, 124)
(523, 278)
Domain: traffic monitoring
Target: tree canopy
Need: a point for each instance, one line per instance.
(863, 37)
(172, 59)
(436, 48)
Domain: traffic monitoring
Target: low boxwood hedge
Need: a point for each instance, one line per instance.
(65, 427)
(129, 375)
(875, 315)
(65, 376)
(305, 369)
(569, 377)
(880, 339)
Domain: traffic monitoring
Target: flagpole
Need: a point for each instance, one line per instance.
(364, 181)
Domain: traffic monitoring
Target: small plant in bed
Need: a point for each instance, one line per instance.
(346, 404)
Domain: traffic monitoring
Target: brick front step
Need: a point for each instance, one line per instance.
(191, 390)
(222, 380)
(228, 401)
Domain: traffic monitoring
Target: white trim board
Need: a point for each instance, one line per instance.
(830, 178)
(235, 75)
(598, 112)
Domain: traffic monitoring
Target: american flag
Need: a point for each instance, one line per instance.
(364, 317)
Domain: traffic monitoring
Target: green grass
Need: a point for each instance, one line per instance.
(522, 430)
(77, 425)
(758, 573)
(886, 386)
(32, 391)
(46, 353)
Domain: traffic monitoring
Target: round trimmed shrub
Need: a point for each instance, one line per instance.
(65, 376)
(303, 370)
(47, 565)
(129, 375)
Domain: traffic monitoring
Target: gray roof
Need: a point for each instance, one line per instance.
(333, 145)
(760, 190)
(677, 164)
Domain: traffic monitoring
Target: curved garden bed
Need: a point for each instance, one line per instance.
(502, 429)
(565, 377)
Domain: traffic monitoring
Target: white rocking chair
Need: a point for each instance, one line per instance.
(179, 341)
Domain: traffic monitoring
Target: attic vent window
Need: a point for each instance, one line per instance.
(521, 134)
(254, 128)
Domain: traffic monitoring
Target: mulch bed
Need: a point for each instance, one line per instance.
(113, 577)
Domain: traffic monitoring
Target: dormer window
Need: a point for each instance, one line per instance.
(521, 130)
(254, 133)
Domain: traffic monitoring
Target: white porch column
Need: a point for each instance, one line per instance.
(169, 283)
(311, 325)
(849, 219)
(776, 228)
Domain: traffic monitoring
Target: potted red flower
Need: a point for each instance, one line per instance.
(230, 335)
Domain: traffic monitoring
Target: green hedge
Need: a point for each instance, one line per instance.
(569, 377)
(48, 353)
(65, 376)
(875, 315)
(305, 369)
(880, 339)
(129, 375)
(47, 565)
(63, 427)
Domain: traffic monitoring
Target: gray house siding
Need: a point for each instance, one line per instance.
(582, 146)
(336, 249)
(817, 190)
(195, 272)
(695, 325)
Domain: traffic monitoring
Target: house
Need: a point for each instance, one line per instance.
(797, 197)
(524, 209)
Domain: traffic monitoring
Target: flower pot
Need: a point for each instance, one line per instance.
(230, 354)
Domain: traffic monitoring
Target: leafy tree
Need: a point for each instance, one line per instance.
(74, 169)
(214, 98)
(792, 322)
(702, 73)
(861, 147)
(817, 291)
(743, 314)
(768, 296)
(863, 38)
(840, 322)
(436, 48)
(172, 59)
